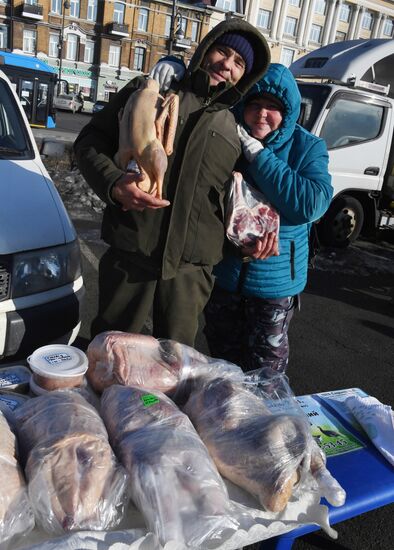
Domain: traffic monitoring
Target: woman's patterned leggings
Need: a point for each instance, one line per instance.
(248, 331)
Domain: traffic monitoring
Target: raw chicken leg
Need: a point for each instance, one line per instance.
(74, 479)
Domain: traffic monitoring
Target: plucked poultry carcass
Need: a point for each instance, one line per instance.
(138, 360)
(173, 480)
(147, 127)
(262, 452)
(248, 214)
(74, 479)
(16, 515)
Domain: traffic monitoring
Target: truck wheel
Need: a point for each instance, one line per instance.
(342, 223)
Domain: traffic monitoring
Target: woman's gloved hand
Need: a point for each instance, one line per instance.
(166, 70)
(251, 147)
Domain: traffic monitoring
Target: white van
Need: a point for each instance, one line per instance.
(41, 285)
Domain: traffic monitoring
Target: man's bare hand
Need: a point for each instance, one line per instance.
(126, 192)
(263, 248)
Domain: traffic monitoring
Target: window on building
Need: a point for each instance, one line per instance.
(344, 13)
(367, 20)
(290, 26)
(143, 19)
(119, 12)
(195, 29)
(3, 37)
(139, 58)
(264, 19)
(320, 7)
(92, 10)
(53, 50)
(343, 126)
(114, 55)
(316, 33)
(56, 6)
(388, 27)
(227, 5)
(31, 2)
(89, 51)
(287, 57)
(72, 47)
(340, 36)
(295, 3)
(167, 28)
(74, 8)
(29, 41)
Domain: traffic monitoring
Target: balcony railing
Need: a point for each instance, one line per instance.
(33, 11)
(119, 29)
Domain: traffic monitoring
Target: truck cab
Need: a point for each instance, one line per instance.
(347, 93)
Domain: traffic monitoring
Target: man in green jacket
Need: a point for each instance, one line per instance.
(162, 250)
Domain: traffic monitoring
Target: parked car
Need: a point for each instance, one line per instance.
(68, 102)
(41, 284)
(100, 104)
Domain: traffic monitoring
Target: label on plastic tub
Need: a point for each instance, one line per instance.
(58, 361)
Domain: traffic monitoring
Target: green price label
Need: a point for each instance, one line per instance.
(149, 399)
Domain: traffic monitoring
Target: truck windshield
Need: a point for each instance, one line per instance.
(313, 97)
(14, 141)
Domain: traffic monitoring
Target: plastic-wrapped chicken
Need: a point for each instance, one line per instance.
(261, 443)
(74, 479)
(137, 360)
(173, 480)
(16, 515)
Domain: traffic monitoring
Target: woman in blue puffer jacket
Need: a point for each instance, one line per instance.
(253, 301)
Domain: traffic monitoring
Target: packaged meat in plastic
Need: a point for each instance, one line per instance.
(173, 481)
(257, 436)
(138, 360)
(16, 515)
(74, 479)
(249, 215)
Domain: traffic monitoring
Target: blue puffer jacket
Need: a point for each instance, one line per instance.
(292, 172)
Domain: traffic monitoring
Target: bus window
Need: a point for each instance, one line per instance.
(42, 100)
(26, 97)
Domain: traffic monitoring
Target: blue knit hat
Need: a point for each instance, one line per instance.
(241, 45)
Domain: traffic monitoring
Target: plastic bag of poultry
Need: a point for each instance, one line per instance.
(249, 215)
(138, 360)
(258, 436)
(16, 515)
(173, 481)
(74, 479)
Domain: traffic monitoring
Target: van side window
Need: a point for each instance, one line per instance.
(344, 126)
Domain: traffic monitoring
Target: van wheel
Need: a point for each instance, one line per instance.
(342, 223)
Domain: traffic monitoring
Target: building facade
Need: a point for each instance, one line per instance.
(296, 27)
(99, 45)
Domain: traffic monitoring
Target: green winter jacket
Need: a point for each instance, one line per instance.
(191, 229)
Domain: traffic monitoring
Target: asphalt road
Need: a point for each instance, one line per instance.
(342, 337)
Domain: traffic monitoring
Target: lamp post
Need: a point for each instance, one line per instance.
(178, 33)
(66, 6)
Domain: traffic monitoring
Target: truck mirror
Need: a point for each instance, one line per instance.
(52, 149)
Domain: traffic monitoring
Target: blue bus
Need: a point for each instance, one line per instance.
(35, 84)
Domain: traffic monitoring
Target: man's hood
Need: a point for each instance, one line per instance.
(232, 94)
(279, 82)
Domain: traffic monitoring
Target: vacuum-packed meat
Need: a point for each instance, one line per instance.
(74, 479)
(173, 480)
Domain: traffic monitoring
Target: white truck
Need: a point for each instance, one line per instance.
(347, 93)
